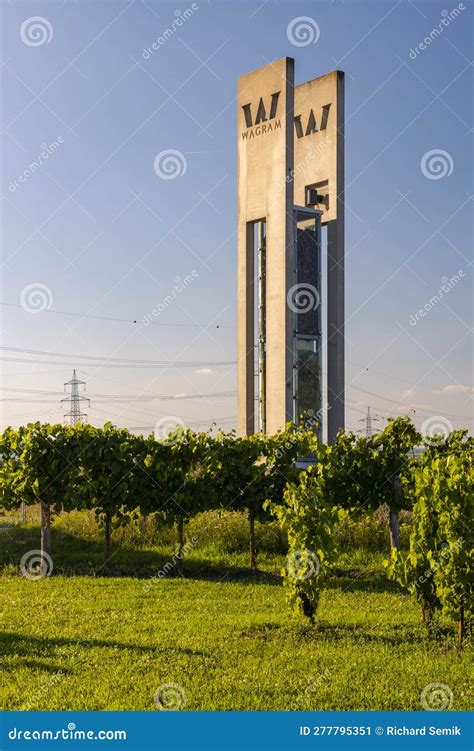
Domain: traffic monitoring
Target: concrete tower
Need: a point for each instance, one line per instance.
(290, 185)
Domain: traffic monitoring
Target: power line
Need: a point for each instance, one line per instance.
(193, 421)
(115, 397)
(401, 406)
(124, 418)
(128, 320)
(24, 414)
(135, 361)
(379, 372)
(156, 366)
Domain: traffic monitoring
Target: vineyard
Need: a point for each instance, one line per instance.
(374, 548)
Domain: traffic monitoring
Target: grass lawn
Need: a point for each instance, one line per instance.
(222, 634)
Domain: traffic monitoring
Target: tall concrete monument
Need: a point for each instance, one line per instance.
(290, 185)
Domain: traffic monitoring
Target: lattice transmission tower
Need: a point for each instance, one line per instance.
(368, 423)
(75, 415)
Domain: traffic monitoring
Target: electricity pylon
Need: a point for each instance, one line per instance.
(74, 399)
(368, 423)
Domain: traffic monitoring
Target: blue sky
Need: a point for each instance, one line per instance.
(95, 231)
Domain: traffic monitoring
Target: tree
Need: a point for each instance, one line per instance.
(43, 469)
(457, 443)
(255, 469)
(242, 479)
(414, 570)
(107, 474)
(368, 472)
(152, 460)
(439, 566)
(310, 521)
(347, 471)
(183, 469)
(394, 463)
(11, 442)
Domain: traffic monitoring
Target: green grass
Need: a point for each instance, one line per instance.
(73, 641)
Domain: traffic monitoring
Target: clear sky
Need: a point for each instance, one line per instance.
(94, 230)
